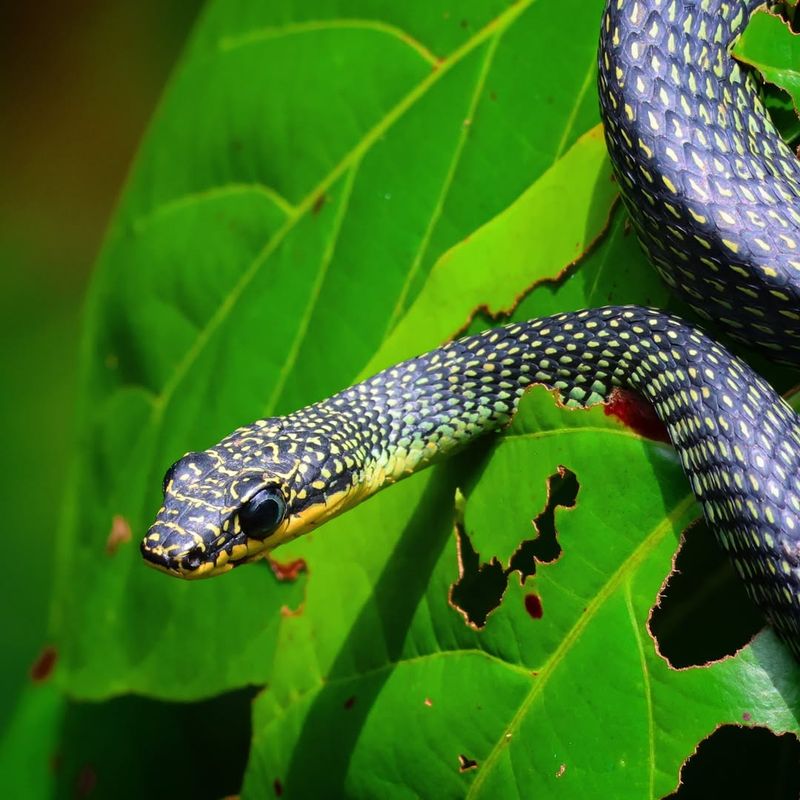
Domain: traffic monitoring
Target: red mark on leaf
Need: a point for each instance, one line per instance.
(635, 412)
(350, 702)
(43, 666)
(533, 605)
(465, 764)
(86, 782)
(288, 571)
(119, 534)
(747, 716)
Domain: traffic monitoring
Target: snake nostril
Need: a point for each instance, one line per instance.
(193, 558)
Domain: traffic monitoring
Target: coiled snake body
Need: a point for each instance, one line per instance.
(713, 193)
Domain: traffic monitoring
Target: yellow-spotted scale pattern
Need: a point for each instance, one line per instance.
(713, 191)
(739, 443)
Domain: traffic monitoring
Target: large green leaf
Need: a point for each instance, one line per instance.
(327, 188)
(262, 268)
(770, 46)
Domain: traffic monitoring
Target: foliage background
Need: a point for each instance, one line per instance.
(75, 120)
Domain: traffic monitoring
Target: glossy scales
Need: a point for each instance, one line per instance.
(713, 191)
(739, 442)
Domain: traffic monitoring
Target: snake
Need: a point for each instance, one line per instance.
(714, 196)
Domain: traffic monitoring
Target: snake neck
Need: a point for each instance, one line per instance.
(737, 440)
(713, 191)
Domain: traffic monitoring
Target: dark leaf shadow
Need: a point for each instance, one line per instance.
(742, 762)
(337, 714)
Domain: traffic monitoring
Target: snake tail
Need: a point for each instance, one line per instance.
(738, 442)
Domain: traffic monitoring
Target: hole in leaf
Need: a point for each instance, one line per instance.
(703, 612)
(742, 762)
(480, 586)
(465, 764)
(562, 490)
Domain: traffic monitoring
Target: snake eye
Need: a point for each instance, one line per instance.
(262, 513)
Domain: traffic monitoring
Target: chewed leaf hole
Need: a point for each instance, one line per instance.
(480, 586)
(465, 763)
(742, 762)
(703, 612)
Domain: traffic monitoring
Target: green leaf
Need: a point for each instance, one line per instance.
(321, 194)
(769, 45)
(583, 686)
(237, 281)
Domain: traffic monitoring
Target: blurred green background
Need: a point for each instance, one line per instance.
(78, 82)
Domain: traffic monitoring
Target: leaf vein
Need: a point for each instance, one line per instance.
(573, 634)
(228, 43)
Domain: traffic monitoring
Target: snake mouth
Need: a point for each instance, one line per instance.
(198, 562)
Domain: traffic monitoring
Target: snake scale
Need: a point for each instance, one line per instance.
(714, 194)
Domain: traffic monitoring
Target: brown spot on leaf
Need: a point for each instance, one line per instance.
(465, 764)
(561, 770)
(287, 571)
(119, 534)
(747, 716)
(533, 605)
(278, 787)
(428, 702)
(319, 203)
(350, 702)
(637, 414)
(293, 612)
(42, 668)
(86, 781)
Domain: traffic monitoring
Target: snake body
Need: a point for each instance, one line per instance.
(683, 177)
(713, 190)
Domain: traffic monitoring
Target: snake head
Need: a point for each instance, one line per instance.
(238, 501)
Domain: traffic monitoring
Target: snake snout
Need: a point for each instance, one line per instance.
(173, 551)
